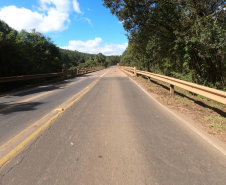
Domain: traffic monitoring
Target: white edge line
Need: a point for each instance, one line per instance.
(105, 73)
(185, 122)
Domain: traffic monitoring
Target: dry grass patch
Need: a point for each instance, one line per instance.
(209, 115)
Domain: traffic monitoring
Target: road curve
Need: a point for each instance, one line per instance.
(116, 134)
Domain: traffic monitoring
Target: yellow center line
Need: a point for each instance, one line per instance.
(44, 117)
(23, 144)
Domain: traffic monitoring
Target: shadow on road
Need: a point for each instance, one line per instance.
(57, 85)
(5, 109)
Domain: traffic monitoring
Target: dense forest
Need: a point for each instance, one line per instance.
(73, 59)
(185, 39)
(28, 53)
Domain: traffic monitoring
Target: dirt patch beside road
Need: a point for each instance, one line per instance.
(208, 114)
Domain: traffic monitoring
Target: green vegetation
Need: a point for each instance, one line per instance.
(74, 59)
(29, 53)
(217, 123)
(24, 53)
(185, 39)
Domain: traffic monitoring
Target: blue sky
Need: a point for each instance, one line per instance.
(85, 26)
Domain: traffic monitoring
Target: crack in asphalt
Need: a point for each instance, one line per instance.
(25, 152)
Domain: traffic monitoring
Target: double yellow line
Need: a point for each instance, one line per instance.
(7, 158)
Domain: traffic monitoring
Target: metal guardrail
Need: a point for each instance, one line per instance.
(28, 77)
(80, 71)
(64, 73)
(213, 94)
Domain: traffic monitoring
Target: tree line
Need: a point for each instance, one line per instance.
(74, 59)
(29, 53)
(185, 39)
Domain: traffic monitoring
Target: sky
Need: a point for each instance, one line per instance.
(86, 26)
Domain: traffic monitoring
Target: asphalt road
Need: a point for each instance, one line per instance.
(115, 134)
(20, 110)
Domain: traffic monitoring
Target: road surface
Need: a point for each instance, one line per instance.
(114, 134)
(20, 110)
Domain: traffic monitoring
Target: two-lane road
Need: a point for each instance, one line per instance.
(115, 134)
(20, 110)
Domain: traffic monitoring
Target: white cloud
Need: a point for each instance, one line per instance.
(21, 18)
(51, 15)
(88, 9)
(83, 19)
(76, 6)
(61, 6)
(93, 46)
(87, 19)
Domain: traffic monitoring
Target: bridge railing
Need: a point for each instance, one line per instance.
(213, 94)
(65, 74)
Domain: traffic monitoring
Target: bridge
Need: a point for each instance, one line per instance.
(102, 128)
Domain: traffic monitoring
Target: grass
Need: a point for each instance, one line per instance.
(217, 123)
(186, 102)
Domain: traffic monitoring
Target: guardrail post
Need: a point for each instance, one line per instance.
(85, 70)
(135, 71)
(171, 89)
(77, 71)
(148, 79)
(64, 71)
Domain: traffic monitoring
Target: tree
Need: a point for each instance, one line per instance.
(24, 53)
(176, 37)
